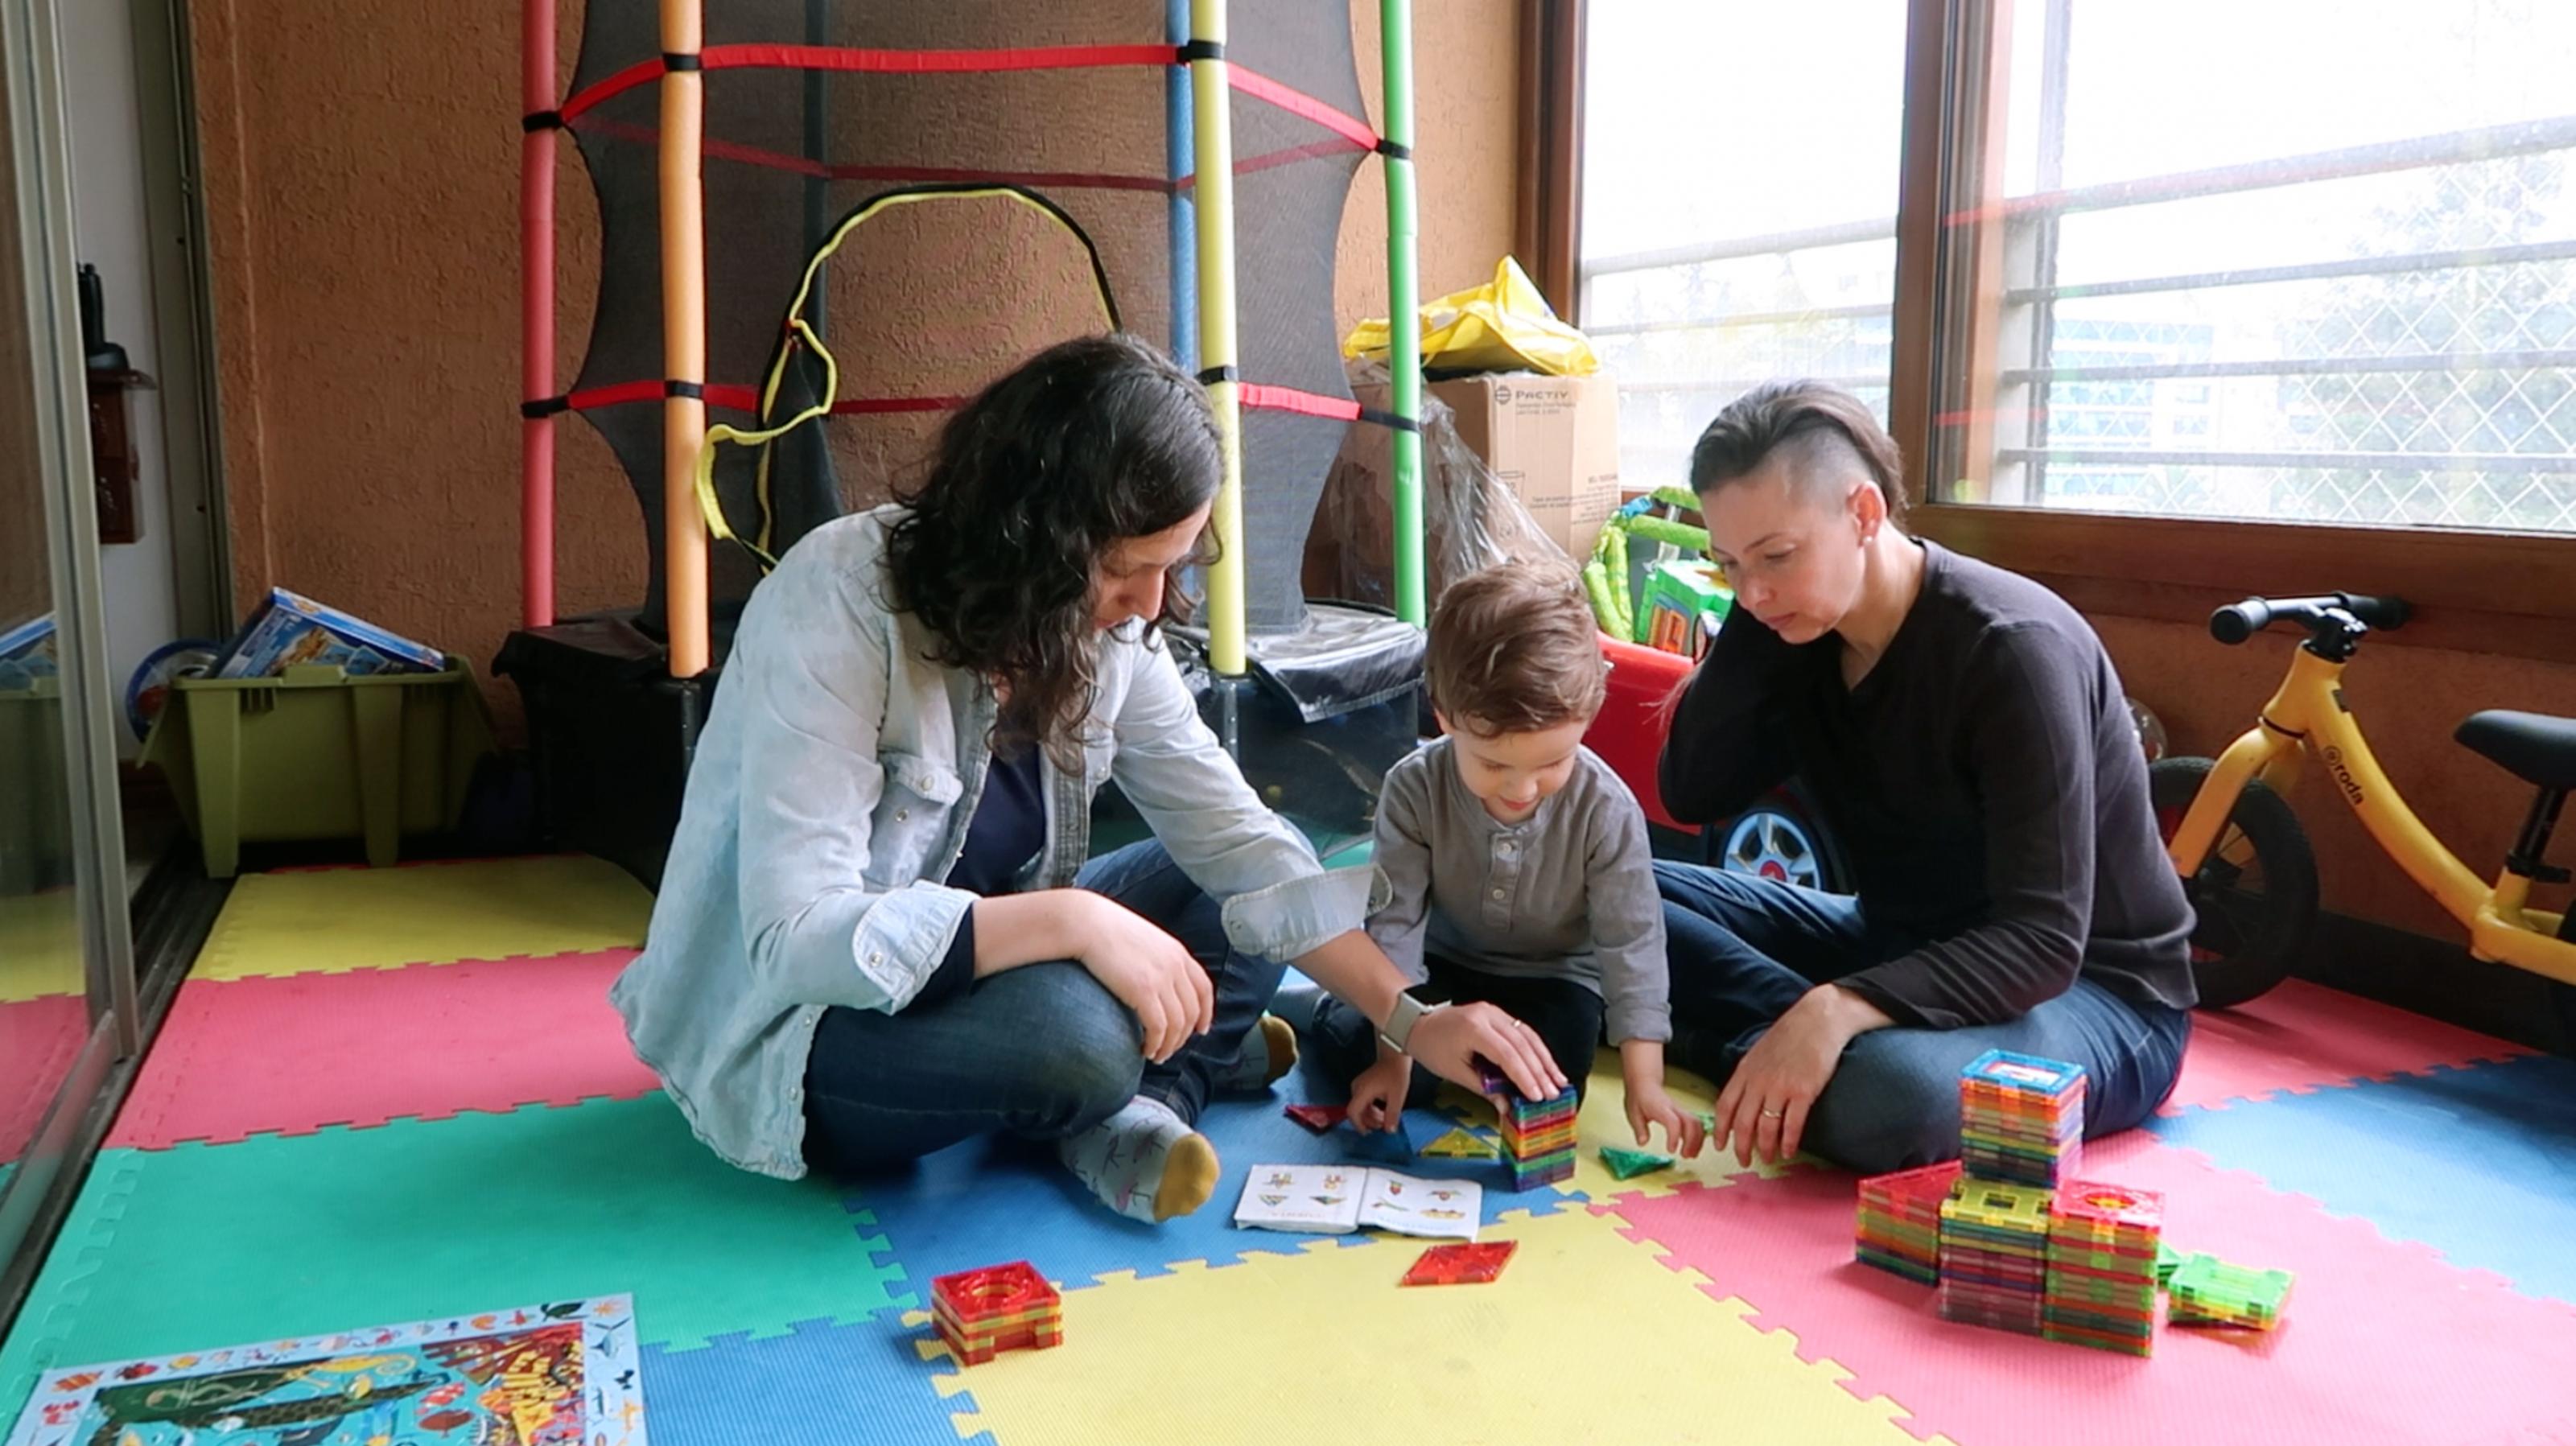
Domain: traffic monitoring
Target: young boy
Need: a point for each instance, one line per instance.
(1517, 861)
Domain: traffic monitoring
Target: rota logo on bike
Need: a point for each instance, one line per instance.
(2343, 775)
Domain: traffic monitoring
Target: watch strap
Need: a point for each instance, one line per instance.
(1397, 1032)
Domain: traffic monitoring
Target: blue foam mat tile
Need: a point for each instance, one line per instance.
(820, 1384)
(2478, 1163)
(994, 1200)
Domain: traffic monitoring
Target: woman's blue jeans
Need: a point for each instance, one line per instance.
(1743, 949)
(1042, 1051)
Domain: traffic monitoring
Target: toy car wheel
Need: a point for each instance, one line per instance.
(1779, 839)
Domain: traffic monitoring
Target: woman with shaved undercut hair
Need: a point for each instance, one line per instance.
(1964, 735)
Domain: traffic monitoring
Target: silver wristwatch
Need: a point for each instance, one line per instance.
(1397, 1032)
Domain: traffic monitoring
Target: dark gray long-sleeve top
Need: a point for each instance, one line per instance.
(1568, 892)
(1984, 781)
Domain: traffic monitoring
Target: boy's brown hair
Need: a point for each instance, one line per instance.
(1514, 649)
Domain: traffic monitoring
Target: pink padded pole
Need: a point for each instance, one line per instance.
(537, 315)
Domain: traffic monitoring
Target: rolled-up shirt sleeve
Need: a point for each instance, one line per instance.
(812, 687)
(1279, 900)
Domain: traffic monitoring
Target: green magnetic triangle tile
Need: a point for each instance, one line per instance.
(205, 1246)
(1629, 1164)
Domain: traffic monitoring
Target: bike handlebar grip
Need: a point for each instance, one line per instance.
(2384, 613)
(2235, 623)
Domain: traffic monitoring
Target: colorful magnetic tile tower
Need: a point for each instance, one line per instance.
(1538, 1135)
(2021, 1118)
(2103, 1244)
(981, 1313)
(1994, 1255)
(1538, 1140)
(2209, 1291)
(1899, 1227)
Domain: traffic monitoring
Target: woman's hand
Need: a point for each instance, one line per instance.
(1148, 970)
(1445, 1041)
(1448, 1041)
(1763, 1109)
(1377, 1096)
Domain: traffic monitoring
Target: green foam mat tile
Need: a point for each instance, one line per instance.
(214, 1245)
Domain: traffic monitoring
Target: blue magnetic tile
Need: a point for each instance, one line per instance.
(2478, 1163)
(821, 1384)
(994, 1200)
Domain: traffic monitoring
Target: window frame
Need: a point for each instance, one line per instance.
(2502, 592)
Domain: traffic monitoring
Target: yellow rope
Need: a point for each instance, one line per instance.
(763, 437)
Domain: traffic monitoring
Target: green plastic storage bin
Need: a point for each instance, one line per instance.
(317, 754)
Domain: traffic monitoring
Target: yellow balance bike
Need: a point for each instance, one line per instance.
(2247, 864)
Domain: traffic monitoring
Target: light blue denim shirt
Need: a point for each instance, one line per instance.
(830, 796)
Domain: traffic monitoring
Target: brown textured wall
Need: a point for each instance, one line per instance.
(361, 178)
(2408, 699)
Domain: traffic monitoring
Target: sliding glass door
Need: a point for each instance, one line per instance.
(66, 968)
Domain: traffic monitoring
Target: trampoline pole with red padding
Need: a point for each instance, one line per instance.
(536, 315)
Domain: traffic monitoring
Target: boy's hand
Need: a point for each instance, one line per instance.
(1641, 1065)
(1377, 1096)
(1648, 1105)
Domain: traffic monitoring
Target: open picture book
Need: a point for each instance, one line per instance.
(1337, 1199)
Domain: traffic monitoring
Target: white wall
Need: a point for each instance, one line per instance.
(107, 211)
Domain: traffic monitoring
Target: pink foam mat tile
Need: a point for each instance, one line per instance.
(291, 1054)
(2303, 1037)
(39, 1039)
(2382, 1342)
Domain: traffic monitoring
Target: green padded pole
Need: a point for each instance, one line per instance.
(1404, 328)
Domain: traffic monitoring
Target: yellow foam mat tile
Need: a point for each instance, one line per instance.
(1586, 1337)
(331, 921)
(1604, 1121)
(40, 946)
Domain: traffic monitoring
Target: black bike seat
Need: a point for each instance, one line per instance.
(2534, 747)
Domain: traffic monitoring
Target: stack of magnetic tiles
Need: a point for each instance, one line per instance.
(2021, 1119)
(981, 1313)
(1994, 1254)
(2209, 1291)
(1538, 1135)
(1900, 1220)
(2103, 1244)
(1538, 1138)
(2012, 1239)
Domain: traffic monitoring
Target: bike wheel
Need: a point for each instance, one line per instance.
(2255, 895)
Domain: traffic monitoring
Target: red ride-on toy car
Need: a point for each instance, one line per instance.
(1780, 837)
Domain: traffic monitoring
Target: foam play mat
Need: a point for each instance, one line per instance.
(388, 1095)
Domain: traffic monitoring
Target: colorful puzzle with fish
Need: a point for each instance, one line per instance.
(563, 1374)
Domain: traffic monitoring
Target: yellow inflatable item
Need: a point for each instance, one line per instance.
(1502, 326)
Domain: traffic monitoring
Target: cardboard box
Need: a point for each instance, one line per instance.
(1552, 442)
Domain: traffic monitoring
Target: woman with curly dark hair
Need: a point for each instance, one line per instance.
(880, 933)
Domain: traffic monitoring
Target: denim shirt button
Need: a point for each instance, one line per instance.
(902, 815)
(1498, 893)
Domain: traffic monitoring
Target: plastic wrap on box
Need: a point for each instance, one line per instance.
(1470, 520)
